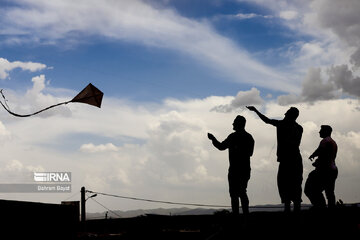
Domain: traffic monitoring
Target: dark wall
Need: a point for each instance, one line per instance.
(38, 220)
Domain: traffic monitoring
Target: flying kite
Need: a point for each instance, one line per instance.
(90, 95)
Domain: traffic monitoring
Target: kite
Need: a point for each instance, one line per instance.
(89, 95)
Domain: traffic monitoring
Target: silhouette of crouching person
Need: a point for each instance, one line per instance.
(241, 147)
(324, 176)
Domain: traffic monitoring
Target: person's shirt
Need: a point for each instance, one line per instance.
(326, 153)
(241, 148)
(288, 135)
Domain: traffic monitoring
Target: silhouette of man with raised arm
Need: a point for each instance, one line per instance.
(241, 147)
(289, 177)
(324, 176)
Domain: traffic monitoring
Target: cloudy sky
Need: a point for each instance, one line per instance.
(171, 71)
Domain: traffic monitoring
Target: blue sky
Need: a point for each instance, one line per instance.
(140, 72)
(172, 70)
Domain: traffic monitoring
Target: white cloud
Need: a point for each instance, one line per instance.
(344, 79)
(341, 17)
(331, 58)
(334, 31)
(242, 99)
(36, 99)
(5, 134)
(340, 81)
(250, 15)
(246, 15)
(313, 89)
(14, 165)
(288, 15)
(15, 171)
(7, 66)
(91, 148)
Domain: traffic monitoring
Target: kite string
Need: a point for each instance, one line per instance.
(5, 101)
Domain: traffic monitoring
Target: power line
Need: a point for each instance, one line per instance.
(105, 207)
(158, 201)
(72, 196)
(171, 202)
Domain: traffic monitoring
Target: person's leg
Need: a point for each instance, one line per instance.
(235, 205)
(297, 206)
(309, 189)
(298, 179)
(330, 188)
(313, 189)
(283, 186)
(280, 184)
(234, 193)
(244, 197)
(287, 206)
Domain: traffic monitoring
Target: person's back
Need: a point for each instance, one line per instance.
(289, 135)
(241, 146)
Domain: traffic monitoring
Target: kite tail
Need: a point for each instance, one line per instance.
(28, 115)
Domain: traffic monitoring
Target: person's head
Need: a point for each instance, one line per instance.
(292, 114)
(325, 131)
(239, 123)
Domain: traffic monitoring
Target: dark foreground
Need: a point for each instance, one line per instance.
(342, 223)
(45, 221)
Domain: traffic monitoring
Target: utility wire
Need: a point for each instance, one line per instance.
(170, 202)
(72, 196)
(105, 207)
(158, 201)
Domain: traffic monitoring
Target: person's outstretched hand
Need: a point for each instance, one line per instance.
(210, 136)
(251, 108)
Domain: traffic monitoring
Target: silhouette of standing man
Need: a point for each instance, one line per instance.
(289, 177)
(325, 173)
(241, 147)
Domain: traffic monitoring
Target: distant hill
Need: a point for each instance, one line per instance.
(177, 211)
(157, 211)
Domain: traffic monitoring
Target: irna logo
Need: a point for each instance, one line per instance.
(52, 176)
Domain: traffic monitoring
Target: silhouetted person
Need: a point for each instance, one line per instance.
(324, 176)
(289, 177)
(241, 147)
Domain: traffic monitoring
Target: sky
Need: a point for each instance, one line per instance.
(172, 71)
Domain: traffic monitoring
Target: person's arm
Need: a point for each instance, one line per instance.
(318, 152)
(219, 145)
(314, 155)
(252, 145)
(262, 116)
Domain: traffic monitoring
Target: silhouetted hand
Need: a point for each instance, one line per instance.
(210, 136)
(251, 108)
(316, 164)
(311, 157)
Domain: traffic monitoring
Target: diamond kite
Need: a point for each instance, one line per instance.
(89, 95)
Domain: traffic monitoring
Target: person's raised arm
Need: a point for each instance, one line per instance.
(261, 116)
